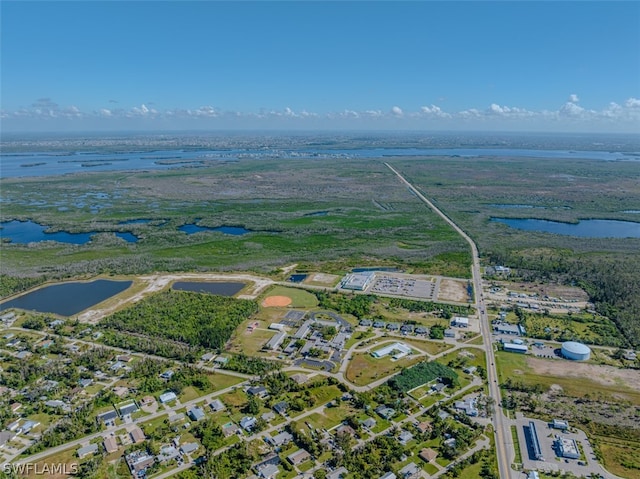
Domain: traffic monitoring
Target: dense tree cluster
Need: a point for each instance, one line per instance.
(209, 433)
(14, 284)
(359, 305)
(195, 319)
(427, 306)
(422, 373)
(251, 365)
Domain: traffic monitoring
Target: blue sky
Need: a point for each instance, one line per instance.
(552, 66)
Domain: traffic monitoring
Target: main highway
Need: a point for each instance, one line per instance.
(504, 444)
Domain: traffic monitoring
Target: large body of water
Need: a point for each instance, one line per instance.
(582, 229)
(24, 232)
(67, 299)
(45, 164)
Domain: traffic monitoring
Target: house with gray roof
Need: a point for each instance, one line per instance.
(280, 439)
(196, 414)
(410, 471)
(216, 405)
(86, 450)
(189, 447)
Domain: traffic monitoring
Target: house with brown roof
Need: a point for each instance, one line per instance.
(428, 454)
(345, 429)
(136, 435)
(298, 457)
(110, 444)
(424, 426)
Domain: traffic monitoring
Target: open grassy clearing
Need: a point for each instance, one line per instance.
(67, 460)
(429, 347)
(250, 343)
(621, 458)
(364, 368)
(515, 365)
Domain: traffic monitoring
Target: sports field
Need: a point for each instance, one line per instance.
(299, 298)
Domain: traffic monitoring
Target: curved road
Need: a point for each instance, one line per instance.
(504, 442)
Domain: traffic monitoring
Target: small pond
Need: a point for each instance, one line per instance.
(317, 213)
(128, 237)
(364, 270)
(582, 229)
(229, 230)
(67, 299)
(297, 278)
(221, 289)
(135, 222)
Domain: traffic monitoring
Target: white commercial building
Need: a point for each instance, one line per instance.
(402, 349)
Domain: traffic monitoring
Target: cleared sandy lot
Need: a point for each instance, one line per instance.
(606, 375)
(452, 290)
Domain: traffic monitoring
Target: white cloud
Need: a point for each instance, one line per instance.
(632, 103)
(573, 98)
(204, 111)
(470, 113)
(616, 116)
(434, 111)
(572, 110)
(374, 113)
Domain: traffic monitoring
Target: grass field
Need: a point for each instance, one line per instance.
(299, 297)
(515, 365)
(250, 343)
(363, 369)
(331, 417)
(516, 444)
(220, 381)
(429, 347)
(621, 458)
(65, 461)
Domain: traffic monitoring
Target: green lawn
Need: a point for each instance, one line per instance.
(431, 469)
(364, 368)
(429, 347)
(516, 444)
(471, 472)
(251, 343)
(331, 416)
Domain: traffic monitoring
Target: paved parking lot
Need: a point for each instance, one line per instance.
(403, 286)
(551, 462)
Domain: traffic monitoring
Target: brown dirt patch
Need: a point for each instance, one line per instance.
(606, 375)
(572, 293)
(276, 301)
(452, 290)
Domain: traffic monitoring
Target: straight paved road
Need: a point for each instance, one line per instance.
(504, 443)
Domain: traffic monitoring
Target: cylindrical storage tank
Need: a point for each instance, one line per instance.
(575, 351)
